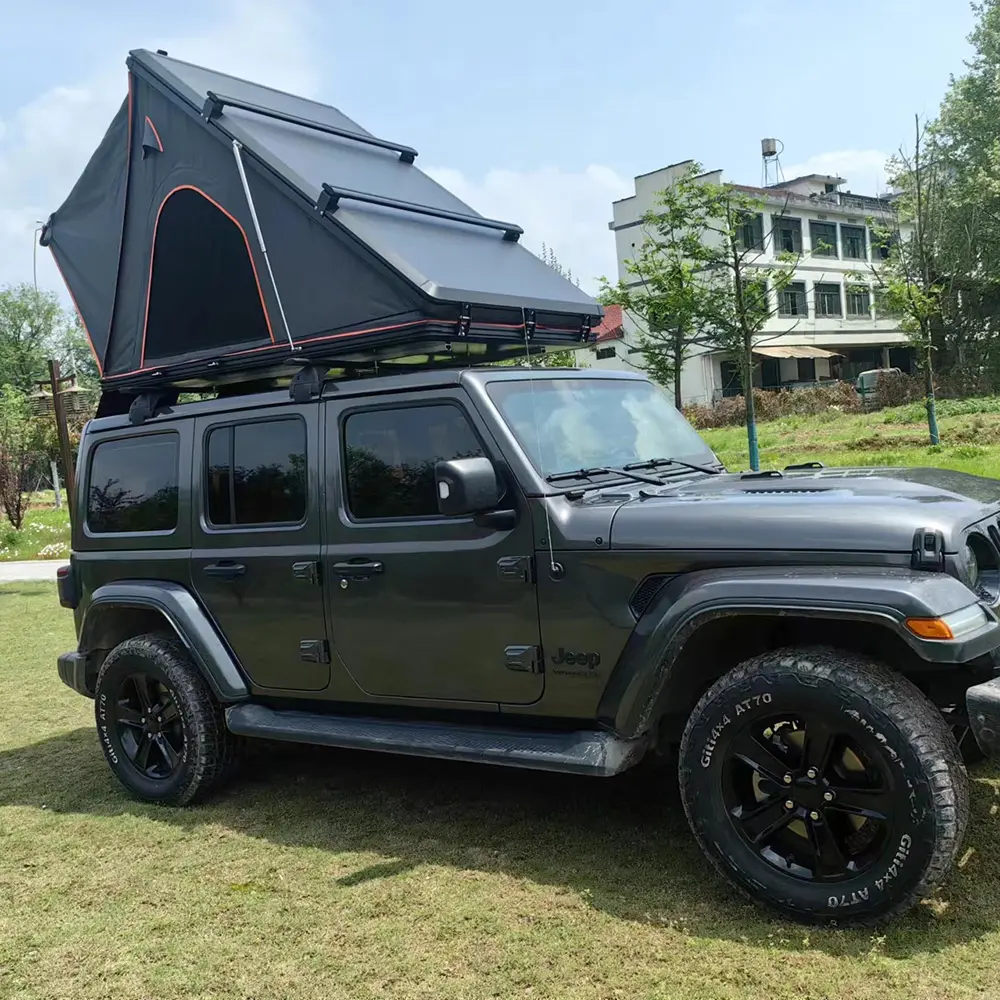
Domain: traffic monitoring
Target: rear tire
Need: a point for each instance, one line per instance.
(825, 786)
(162, 733)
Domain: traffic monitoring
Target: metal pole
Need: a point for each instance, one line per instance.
(63, 431)
(260, 239)
(53, 465)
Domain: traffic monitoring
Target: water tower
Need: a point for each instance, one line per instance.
(770, 153)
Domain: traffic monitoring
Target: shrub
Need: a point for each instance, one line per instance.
(731, 411)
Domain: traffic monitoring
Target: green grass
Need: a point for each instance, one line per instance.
(970, 436)
(327, 874)
(44, 535)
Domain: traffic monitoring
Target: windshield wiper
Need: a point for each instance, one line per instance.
(656, 463)
(602, 471)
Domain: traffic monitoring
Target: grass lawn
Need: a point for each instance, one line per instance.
(327, 874)
(970, 435)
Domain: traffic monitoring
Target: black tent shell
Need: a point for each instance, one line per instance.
(225, 230)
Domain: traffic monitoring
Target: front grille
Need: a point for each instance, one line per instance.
(643, 595)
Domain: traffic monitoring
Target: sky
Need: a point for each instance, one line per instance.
(537, 111)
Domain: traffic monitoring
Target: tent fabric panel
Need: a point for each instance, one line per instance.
(325, 280)
(203, 292)
(192, 157)
(85, 233)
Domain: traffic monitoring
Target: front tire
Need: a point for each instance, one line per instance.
(162, 733)
(824, 786)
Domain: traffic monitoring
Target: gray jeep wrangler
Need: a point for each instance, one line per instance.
(546, 568)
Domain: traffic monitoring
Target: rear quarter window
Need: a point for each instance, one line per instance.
(132, 484)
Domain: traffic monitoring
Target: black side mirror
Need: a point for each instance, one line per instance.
(466, 486)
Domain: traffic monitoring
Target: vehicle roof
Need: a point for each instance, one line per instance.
(367, 387)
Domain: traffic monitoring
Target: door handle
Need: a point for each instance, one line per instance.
(358, 570)
(224, 570)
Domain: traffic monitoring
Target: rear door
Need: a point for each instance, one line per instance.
(256, 542)
(421, 605)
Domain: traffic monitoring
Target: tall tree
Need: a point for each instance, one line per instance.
(743, 289)
(31, 322)
(917, 278)
(663, 292)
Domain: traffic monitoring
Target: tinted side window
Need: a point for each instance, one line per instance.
(133, 484)
(390, 457)
(256, 473)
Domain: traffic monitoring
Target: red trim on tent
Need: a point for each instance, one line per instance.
(157, 134)
(152, 255)
(90, 342)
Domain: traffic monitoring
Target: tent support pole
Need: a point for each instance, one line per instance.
(237, 148)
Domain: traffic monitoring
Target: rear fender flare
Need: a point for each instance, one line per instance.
(644, 678)
(185, 616)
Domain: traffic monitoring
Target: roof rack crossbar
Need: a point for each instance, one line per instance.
(329, 201)
(215, 103)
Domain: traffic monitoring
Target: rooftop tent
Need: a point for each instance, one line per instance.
(161, 243)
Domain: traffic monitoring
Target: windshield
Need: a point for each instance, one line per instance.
(568, 424)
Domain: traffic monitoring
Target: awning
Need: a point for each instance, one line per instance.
(795, 352)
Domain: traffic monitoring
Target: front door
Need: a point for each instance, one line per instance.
(421, 605)
(256, 542)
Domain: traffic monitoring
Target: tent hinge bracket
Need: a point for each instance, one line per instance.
(465, 320)
(585, 329)
(529, 324)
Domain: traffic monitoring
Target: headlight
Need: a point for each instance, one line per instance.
(980, 567)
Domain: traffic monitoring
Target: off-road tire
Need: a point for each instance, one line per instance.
(210, 752)
(870, 702)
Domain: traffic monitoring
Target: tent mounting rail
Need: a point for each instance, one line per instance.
(329, 201)
(215, 103)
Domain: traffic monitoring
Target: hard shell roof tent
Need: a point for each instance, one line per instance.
(162, 243)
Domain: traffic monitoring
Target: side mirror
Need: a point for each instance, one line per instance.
(466, 486)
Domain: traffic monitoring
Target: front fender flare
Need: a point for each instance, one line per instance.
(641, 680)
(179, 607)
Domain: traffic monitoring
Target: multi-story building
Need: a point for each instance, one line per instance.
(826, 324)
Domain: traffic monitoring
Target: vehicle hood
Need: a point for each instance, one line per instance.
(874, 510)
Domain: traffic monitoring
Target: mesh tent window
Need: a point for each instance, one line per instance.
(204, 292)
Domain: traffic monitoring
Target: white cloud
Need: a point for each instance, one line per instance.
(45, 144)
(568, 211)
(863, 169)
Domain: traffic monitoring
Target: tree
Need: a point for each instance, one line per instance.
(662, 291)
(72, 349)
(914, 278)
(742, 293)
(31, 323)
(16, 453)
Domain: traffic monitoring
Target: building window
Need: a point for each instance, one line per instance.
(823, 236)
(133, 485)
(750, 232)
(605, 352)
(787, 235)
(256, 473)
(807, 369)
(792, 300)
(882, 244)
(827, 300)
(852, 239)
(858, 301)
(389, 458)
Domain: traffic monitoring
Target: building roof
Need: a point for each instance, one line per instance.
(611, 327)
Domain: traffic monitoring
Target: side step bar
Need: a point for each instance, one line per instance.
(594, 753)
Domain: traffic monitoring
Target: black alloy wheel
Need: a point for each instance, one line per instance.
(808, 798)
(149, 726)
